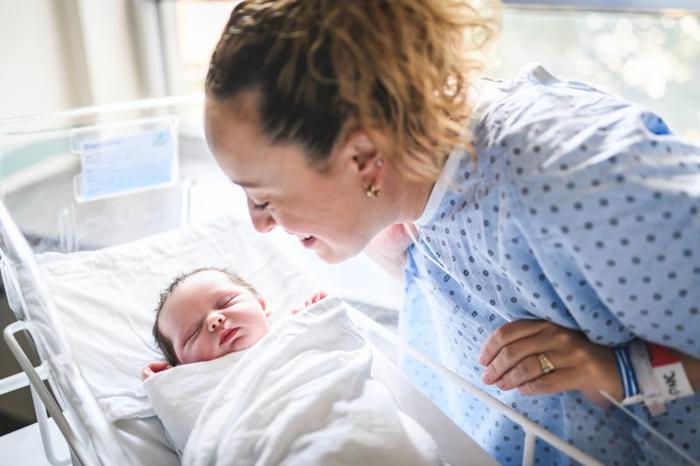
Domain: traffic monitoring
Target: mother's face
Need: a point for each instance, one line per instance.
(328, 211)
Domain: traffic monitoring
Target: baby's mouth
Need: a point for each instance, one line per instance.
(227, 335)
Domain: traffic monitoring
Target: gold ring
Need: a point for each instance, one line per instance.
(546, 365)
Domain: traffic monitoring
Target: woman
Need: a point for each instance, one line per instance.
(554, 224)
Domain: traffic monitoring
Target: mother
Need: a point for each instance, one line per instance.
(550, 204)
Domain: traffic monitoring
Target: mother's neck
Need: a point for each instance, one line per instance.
(411, 198)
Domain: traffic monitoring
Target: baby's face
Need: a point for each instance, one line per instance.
(208, 316)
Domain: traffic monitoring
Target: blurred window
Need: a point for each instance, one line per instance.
(199, 25)
(651, 59)
(647, 51)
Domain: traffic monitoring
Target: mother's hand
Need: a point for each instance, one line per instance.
(511, 356)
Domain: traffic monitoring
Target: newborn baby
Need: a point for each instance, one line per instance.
(206, 314)
(304, 394)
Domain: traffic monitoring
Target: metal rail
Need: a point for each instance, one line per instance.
(78, 453)
(531, 429)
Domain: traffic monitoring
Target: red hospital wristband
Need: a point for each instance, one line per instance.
(669, 373)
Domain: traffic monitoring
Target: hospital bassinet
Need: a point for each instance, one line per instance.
(93, 178)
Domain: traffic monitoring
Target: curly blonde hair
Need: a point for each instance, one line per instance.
(402, 67)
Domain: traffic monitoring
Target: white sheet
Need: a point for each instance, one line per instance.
(105, 301)
(112, 292)
(179, 394)
(302, 396)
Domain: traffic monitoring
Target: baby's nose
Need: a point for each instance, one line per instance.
(216, 319)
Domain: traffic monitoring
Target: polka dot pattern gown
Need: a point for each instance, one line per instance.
(582, 210)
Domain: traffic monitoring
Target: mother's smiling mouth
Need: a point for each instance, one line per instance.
(227, 335)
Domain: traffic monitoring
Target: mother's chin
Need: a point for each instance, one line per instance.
(335, 254)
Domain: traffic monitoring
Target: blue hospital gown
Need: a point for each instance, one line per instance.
(582, 210)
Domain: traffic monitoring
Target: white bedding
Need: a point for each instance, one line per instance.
(302, 396)
(113, 292)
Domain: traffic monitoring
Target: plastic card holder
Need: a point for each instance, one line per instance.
(123, 158)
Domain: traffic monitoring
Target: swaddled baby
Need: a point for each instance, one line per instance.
(297, 393)
(206, 314)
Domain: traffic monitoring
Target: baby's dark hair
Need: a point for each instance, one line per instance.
(164, 344)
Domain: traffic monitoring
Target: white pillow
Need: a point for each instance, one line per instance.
(106, 298)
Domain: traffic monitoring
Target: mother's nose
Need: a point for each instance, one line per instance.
(215, 320)
(262, 220)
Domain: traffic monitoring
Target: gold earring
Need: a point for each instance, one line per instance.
(372, 191)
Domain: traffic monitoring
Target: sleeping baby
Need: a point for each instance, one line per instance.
(206, 314)
(238, 391)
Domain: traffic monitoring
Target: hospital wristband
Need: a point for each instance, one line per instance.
(669, 372)
(631, 392)
(660, 375)
(650, 389)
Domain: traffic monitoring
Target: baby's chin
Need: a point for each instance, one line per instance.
(239, 344)
(245, 342)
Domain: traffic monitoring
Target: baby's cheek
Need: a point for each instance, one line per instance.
(250, 339)
(204, 354)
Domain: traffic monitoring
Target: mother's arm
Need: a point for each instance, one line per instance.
(510, 356)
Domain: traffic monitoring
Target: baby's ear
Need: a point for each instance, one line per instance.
(262, 303)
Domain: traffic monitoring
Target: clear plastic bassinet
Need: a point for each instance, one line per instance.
(59, 193)
(63, 189)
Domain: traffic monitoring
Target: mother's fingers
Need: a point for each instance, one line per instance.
(560, 380)
(506, 335)
(529, 369)
(511, 355)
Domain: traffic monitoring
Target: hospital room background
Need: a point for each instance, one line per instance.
(59, 55)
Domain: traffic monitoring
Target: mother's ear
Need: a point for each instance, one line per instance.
(363, 155)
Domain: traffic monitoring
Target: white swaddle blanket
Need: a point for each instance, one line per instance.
(303, 395)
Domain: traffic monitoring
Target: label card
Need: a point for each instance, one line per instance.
(125, 158)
